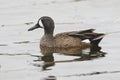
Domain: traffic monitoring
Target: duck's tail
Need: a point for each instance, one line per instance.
(95, 40)
(93, 37)
(97, 37)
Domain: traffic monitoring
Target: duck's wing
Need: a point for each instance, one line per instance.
(86, 31)
(78, 32)
(94, 38)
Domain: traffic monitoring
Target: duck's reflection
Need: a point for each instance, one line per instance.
(48, 61)
(93, 52)
(50, 78)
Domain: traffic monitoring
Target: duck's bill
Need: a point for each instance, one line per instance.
(34, 27)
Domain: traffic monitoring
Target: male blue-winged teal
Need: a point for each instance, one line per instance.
(66, 39)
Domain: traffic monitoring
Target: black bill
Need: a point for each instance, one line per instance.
(35, 27)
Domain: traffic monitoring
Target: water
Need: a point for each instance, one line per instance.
(20, 56)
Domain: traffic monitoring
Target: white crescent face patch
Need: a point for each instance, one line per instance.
(40, 23)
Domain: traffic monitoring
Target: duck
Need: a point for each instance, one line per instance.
(65, 39)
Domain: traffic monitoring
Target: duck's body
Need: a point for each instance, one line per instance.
(66, 39)
(61, 40)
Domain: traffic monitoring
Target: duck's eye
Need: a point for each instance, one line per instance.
(40, 23)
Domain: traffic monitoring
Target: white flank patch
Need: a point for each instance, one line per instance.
(86, 40)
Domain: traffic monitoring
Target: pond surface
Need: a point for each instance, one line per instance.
(21, 58)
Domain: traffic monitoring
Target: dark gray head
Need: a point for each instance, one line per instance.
(47, 24)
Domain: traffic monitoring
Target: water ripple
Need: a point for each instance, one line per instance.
(7, 54)
(92, 73)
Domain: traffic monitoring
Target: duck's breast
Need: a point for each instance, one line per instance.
(47, 41)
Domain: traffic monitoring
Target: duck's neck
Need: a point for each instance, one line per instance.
(47, 40)
(50, 36)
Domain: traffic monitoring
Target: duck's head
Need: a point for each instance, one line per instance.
(46, 23)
